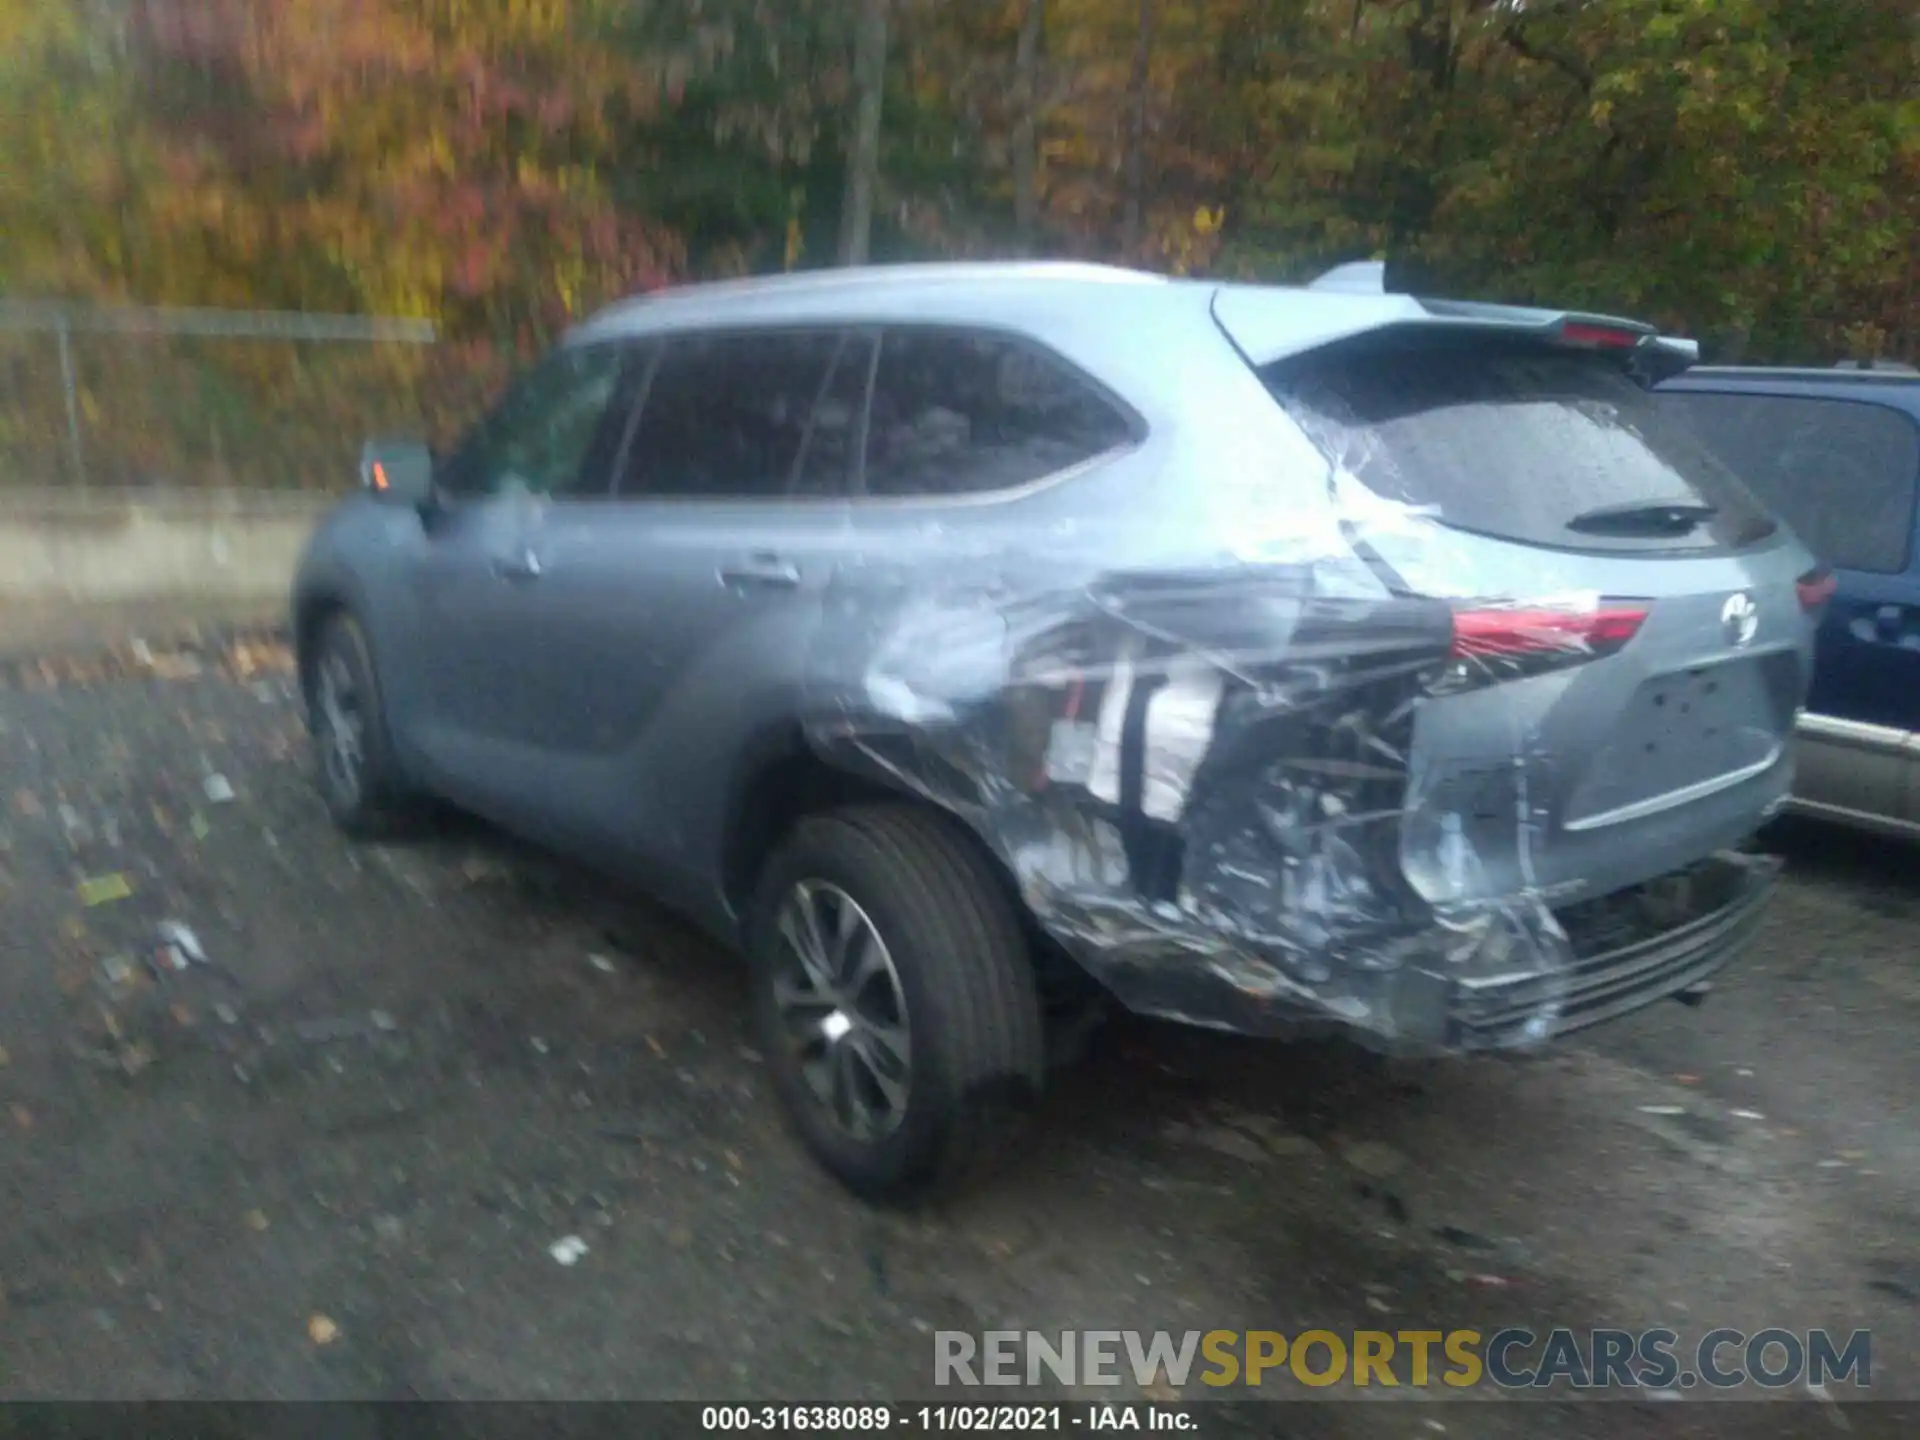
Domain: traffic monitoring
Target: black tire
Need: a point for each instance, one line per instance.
(964, 975)
(376, 802)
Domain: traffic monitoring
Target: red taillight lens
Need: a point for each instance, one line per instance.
(1495, 643)
(1481, 633)
(1815, 588)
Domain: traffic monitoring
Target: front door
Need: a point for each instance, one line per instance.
(476, 576)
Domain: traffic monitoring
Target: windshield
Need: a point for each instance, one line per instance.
(1517, 440)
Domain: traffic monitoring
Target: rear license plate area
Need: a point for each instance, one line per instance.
(1680, 729)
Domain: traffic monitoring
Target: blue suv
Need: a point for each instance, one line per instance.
(1836, 454)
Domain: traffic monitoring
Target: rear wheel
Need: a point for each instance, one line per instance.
(895, 999)
(356, 773)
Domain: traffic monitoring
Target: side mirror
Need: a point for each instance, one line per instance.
(398, 470)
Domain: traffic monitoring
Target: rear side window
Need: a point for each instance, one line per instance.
(1518, 441)
(730, 416)
(1842, 473)
(957, 414)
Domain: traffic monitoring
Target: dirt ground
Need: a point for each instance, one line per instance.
(332, 1162)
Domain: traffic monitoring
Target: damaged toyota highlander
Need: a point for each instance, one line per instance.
(961, 642)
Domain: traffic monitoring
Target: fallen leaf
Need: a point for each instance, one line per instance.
(655, 1046)
(1372, 1158)
(22, 1116)
(27, 803)
(175, 666)
(104, 889)
(322, 1331)
(255, 1219)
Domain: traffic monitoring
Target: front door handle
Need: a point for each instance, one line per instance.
(760, 570)
(519, 568)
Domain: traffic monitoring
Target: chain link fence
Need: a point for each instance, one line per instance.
(116, 397)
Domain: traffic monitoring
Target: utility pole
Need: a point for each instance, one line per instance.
(863, 153)
(1132, 215)
(1026, 124)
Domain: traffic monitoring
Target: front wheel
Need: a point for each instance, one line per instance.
(894, 998)
(356, 772)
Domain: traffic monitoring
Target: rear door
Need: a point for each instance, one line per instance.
(1844, 471)
(666, 611)
(1630, 647)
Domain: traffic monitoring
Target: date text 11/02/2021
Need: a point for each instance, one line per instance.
(850, 1419)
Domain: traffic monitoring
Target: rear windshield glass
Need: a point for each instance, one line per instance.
(1519, 441)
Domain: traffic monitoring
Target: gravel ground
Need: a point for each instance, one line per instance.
(331, 1162)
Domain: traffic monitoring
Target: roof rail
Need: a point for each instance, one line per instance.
(1883, 367)
(1356, 277)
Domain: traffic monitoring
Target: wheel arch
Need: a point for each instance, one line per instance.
(312, 612)
(781, 778)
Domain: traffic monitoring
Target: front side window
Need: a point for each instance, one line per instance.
(1842, 473)
(749, 415)
(956, 413)
(547, 435)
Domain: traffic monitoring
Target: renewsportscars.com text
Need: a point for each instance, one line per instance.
(1510, 1359)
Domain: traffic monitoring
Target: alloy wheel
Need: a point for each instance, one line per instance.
(341, 731)
(842, 1010)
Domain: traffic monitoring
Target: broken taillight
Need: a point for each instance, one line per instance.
(1495, 643)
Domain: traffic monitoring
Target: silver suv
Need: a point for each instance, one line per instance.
(962, 642)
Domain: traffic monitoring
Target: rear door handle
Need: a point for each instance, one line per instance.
(520, 568)
(761, 570)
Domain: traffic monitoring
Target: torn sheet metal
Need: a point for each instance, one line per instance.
(1206, 785)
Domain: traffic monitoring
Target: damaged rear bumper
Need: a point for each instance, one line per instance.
(1609, 958)
(1207, 787)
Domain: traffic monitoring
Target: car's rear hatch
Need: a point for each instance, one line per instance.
(1631, 639)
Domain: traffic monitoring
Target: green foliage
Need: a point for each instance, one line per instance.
(1747, 171)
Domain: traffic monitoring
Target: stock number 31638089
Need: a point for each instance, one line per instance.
(850, 1418)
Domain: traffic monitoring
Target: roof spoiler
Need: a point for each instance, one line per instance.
(1357, 277)
(1648, 355)
(1684, 354)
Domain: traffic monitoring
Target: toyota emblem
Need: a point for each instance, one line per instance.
(1740, 618)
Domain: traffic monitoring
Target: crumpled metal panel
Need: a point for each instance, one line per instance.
(1203, 779)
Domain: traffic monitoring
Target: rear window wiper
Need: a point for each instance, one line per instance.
(1639, 517)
